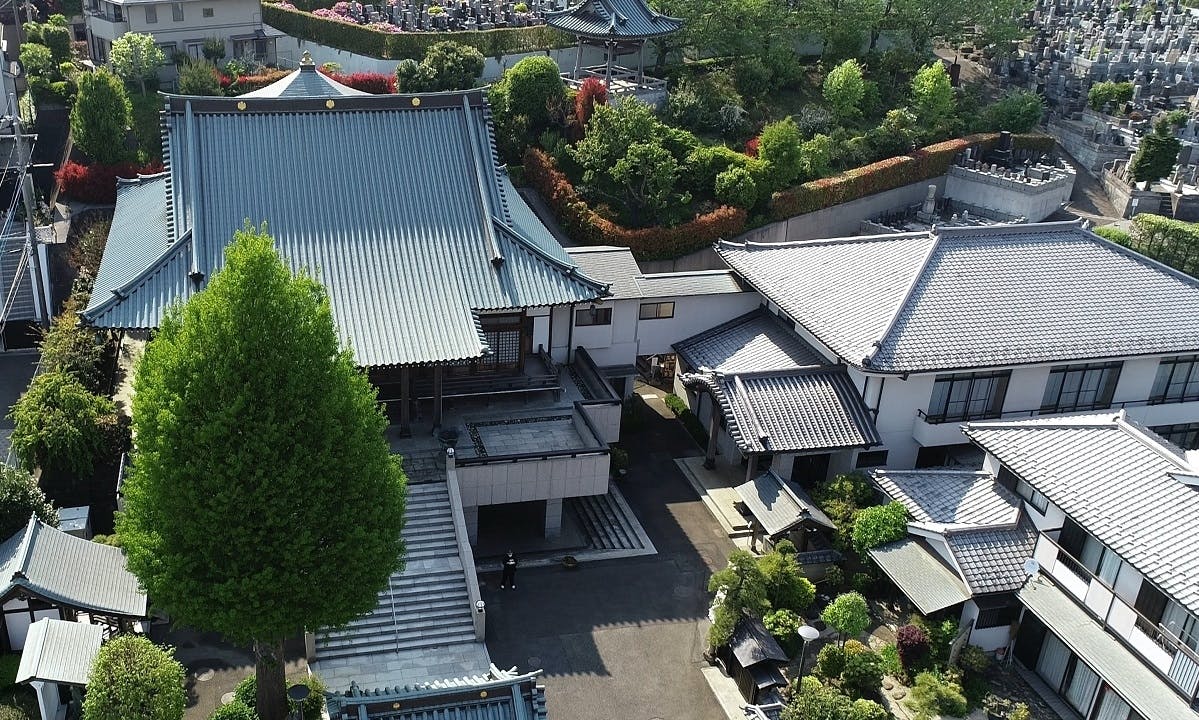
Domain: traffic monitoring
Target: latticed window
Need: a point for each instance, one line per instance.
(1081, 387)
(1177, 380)
(967, 396)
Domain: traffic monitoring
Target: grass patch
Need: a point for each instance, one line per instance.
(17, 702)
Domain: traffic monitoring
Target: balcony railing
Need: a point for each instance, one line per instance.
(1012, 414)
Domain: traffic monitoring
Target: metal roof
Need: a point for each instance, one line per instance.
(950, 497)
(1115, 479)
(613, 19)
(67, 570)
(305, 82)
(751, 643)
(394, 203)
(967, 297)
(137, 238)
(923, 578)
(757, 341)
(59, 651)
(992, 560)
(613, 265)
(1140, 687)
(793, 410)
(780, 505)
(499, 695)
(680, 284)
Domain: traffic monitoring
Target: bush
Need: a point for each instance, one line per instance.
(853, 488)
(368, 82)
(132, 677)
(234, 711)
(863, 672)
(974, 659)
(815, 701)
(688, 418)
(531, 88)
(37, 59)
(200, 78)
(100, 115)
(314, 704)
(1114, 234)
(784, 625)
(246, 692)
(242, 84)
(1103, 93)
(98, 183)
(70, 347)
(398, 46)
(862, 582)
(20, 497)
(933, 696)
(834, 576)
(1172, 242)
(847, 614)
(58, 423)
(844, 89)
(779, 146)
(879, 525)
(736, 187)
(786, 587)
(868, 710)
(593, 92)
(752, 78)
(1018, 112)
(830, 662)
(912, 646)
(889, 655)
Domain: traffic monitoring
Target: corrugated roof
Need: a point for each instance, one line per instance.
(923, 578)
(613, 18)
(59, 651)
(1147, 693)
(950, 497)
(793, 410)
(305, 82)
(68, 570)
(499, 695)
(409, 257)
(137, 238)
(1113, 478)
(779, 505)
(682, 284)
(969, 297)
(755, 342)
(992, 559)
(613, 265)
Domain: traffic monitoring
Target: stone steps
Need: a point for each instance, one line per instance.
(425, 605)
(606, 523)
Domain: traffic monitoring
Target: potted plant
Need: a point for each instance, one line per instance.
(997, 708)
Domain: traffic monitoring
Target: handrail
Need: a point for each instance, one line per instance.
(1149, 402)
(465, 553)
(584, 360)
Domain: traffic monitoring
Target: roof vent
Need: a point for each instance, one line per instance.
(306, 63)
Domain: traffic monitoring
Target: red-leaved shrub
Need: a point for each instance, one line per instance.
(368, 82)
(98, 183)
(751, 146)
(591, 93)
(913, 646)
(653, 243)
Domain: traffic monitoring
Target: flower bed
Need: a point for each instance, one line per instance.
(385, 41)
(654, 243)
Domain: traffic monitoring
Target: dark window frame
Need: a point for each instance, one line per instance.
(865, 458)
(1086, 386)
(1184, 435)
(1177, 380)
(591, 317)
(1001, 612)
(151, 14)
(657, 311)
(177, 12)
(208, 12)
(961, 389)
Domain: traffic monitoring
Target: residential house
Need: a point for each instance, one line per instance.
(964, 555)
(1111, 607)
(939, 327)
(182, 27)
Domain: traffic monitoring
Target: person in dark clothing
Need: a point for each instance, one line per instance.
(509, 577)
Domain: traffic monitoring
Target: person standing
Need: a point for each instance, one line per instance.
(509, 576)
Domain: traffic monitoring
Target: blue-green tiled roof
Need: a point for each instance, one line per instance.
(395, 203)
(499, 695)
(613, 19)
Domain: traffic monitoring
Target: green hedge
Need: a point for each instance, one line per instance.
(400, 46)
(1171, 242)
(688, 418)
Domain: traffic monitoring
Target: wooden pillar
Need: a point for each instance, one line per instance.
(610, 47)
(641, 63)
(405, 402)
(438, 376)
(713, 434)
(578, 60)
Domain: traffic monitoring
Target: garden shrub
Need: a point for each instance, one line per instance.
(815, 701)
(706, 162)
(786, 587)
(455, 66)
(784, 625)
(940, 636)
(368, 82)
(242, 84)
(235, 710)
(1102, 93)
(59, 423)
(1114, 234)
(879, 525)
(97, 183)
(200, 78)
(912, 646)
(779, 146)
(530, 88)
(844, 89)
(1171, 242)
(593, 92)
(848, 614)
(863, 671)
(834, 576)
(853, 488)
(37, 59)
(974, 659)
(100, 115)
(131, 677)
(744, 593)
(862, 582)
(688, 418)
(752, 78)
(398, 46)
(933, 696)
(20, 497)
(1019, 111)
(736, 187)
(830, 662)
(246, 692)
(889, 655)
(70, 347)
(868, 710)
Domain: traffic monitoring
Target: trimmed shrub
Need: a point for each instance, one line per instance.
(974, 659)
(868, 710)
(234, 711)
(1171, 242)
(848, 614)
(784, 626)
(879, 525)
(863, 671)
(736, 187)
(912, 646)
(97, 183)
(830, 662)
(246, 692)
(853, 488)
(200, 78)
(132, 677)
(58, 423)
(1114, 234)
(243, 84)
(368, 82)
(688, 418)
(934, 696)
(593, 92)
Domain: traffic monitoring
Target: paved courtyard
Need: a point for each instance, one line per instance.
(623, 639)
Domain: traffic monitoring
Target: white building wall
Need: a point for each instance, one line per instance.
(989, 639)
(1034, 201)
(229, 17)
(692, 315)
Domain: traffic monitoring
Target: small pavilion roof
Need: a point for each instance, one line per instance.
(59, 651)
(304, 82)
(613, 19)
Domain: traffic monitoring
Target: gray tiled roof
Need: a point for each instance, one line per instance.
(1115, 479)
(395, 203)
(793, 410)
(678, 284)
(779, 505)
(1147, 693)
(68, 570)
(305, 82)
(756, 341)
(59, 651)
(613, 265)
(613, 18)
(970, 297)
(950, 497)
(992, 559)
(923, 578)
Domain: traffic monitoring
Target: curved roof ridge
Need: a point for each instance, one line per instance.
(817, 242)
(904, 299)
(123, 291)
(534, 249)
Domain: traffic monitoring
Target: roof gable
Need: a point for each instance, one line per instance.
(613, 18)
(974, 297)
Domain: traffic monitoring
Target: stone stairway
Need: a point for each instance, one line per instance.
(608, 522)
(425, 605)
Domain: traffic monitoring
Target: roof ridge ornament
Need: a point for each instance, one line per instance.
(307, 64)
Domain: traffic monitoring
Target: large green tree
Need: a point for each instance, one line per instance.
(844, 88)
(932, 97)
(21, 497)
(100, 116)
(1157, 154)
(263, 498)
(132, 677)
(135, 57)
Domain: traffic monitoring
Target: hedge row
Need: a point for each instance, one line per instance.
(97, 183)
(403, 45)
(656, 243)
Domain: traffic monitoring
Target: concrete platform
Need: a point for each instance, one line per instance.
(716, 488)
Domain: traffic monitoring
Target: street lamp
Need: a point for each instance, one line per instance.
(298, 693)
(807, 633)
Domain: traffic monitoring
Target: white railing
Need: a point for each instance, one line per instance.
(624, 80)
